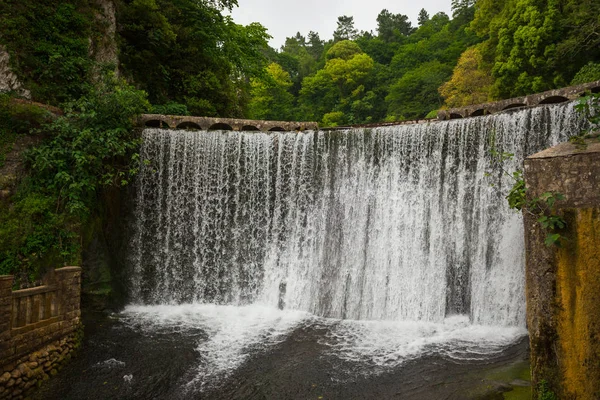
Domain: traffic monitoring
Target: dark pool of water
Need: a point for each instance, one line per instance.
(121, 361)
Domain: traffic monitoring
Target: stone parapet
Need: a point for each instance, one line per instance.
(228, 124)
(548, 97)
(563, 283)
(31, 319)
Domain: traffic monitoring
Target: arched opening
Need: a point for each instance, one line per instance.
(478, 113)
(277, 129)
(298, 129)
(250, 128)
(595, 90)
(455, 116)
(554, 100)
(514, 105)
(157, 123)
(220, 127)
(189, 125)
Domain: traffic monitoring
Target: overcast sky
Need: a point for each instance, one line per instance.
(283, 18)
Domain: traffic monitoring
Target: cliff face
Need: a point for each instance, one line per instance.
(9, 82)
(103, 50)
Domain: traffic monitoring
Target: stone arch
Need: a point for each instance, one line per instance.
(277, 129)
(157, 123)
(554, 100)
(478, 113)
(220, 127)
(189, 125)
(250, 128)
(455, 116)
(514, 105)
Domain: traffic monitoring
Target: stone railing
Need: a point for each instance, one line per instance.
(226, 124)
(548, 97)
(37, 329)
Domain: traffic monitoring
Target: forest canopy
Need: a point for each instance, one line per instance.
(191, 58)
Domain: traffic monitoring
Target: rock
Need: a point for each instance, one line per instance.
(4, 378)
(18, 381)
(10, 383)
(53, 372)
(16, 373)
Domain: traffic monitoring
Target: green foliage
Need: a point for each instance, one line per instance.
(187, 52)
(415, 94)
(92, 146)
(392, 27)
(541, 207)
(589, 106)
(89, 147)
(333, 119)
(170, 108)
(270, 98)
(536, 45)
(50, 44)
(345, 29)
(588, 73)
(544, 391)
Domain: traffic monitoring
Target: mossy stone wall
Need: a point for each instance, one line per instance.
(563, 283)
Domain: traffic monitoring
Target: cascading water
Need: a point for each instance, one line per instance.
(388, 223)
(393, 224)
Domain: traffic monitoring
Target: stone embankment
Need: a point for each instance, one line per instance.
(39, 329)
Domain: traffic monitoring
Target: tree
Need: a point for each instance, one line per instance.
(415, 94)
(270, 98)
(315, 45)
(345, 29)
(471, 80)
(392, 26)
(339, 85)
(199, 57)
(423, 17)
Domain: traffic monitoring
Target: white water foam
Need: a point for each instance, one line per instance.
(380, 345)
(236, 333)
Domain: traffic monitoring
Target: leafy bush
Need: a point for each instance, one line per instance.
(170, 109)
(588, 73)
(91, 146)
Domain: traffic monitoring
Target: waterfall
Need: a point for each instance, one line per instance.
(404, 222)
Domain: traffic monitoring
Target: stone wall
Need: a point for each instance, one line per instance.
(563, 283)
(38, 329)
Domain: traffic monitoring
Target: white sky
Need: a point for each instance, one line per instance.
(283, 18)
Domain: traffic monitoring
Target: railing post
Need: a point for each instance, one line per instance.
(6, 350)
(68, 280)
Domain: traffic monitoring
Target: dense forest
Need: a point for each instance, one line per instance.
(189, 57)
